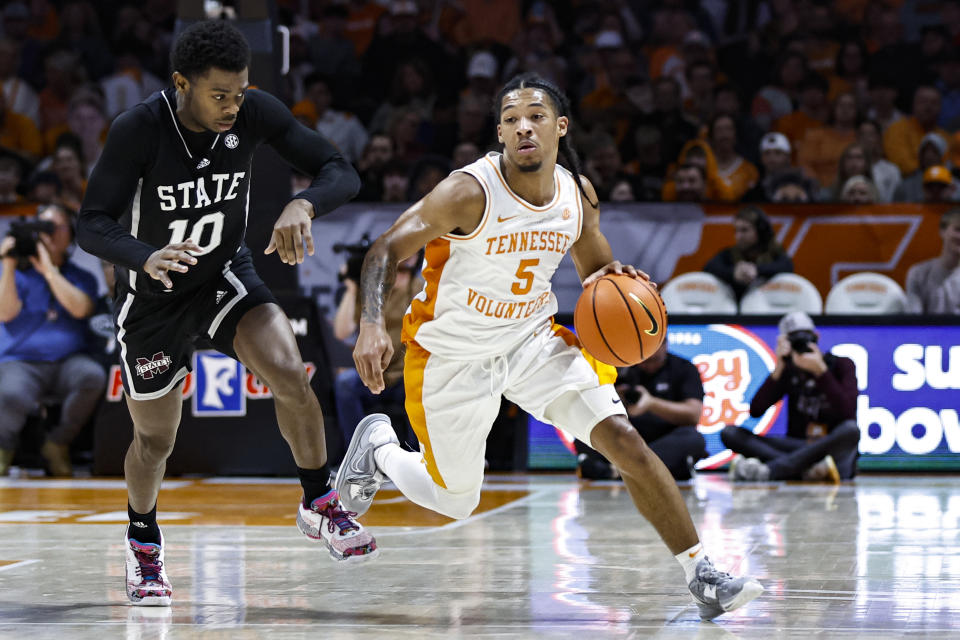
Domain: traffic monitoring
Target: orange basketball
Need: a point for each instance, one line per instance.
(620, 320)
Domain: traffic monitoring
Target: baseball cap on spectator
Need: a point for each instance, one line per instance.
(795, 321)
(482, 65)
(936, 140)
(774, 140)
(937, 173)
(697, 39)
(404, 8)
(609, 39)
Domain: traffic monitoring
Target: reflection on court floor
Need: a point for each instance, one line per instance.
(543, 557)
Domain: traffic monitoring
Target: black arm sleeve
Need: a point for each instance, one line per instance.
(111, 189)
(335, 181)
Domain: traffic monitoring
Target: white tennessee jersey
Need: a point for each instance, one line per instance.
(487, 290)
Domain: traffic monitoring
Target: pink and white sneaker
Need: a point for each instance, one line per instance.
(327, 522)
(147, 584)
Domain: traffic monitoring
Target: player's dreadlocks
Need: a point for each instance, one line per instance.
(560, 104)
(207, 44)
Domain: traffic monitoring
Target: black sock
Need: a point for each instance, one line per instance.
(315, 483)
(143, 526)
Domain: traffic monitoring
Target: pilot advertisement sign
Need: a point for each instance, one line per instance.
(908, 379)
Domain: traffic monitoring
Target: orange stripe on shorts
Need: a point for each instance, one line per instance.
(414, 363)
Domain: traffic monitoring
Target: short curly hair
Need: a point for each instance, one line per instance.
(207, 44)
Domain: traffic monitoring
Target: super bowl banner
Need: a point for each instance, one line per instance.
(908, 379)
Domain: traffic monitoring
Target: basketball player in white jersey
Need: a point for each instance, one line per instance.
(495, 232)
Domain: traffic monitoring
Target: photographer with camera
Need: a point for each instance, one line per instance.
(353, 399)
(822, 433)
(45, 300)
(663, 396)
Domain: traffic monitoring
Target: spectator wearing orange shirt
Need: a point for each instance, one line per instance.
(902, 138)
(850, 71)
(812, 112)
(698, 153)
(819, 150)
(737, 173)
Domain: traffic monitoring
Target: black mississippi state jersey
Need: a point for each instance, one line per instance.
(158, 183)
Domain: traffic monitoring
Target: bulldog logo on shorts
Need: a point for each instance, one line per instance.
(159, 363)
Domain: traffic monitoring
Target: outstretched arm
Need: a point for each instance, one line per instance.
(335, 181)
(591, 252)
(456, 204)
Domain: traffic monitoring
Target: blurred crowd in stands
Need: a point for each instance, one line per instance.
(736, 101)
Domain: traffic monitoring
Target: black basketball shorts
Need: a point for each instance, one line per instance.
(157, 336)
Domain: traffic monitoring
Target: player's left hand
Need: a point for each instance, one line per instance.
(291, 232)
(812, 361)
(42, 262)
(616, 267)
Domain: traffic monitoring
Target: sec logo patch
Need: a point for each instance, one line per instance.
(232, 140)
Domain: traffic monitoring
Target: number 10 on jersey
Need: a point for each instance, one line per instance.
(178, 232)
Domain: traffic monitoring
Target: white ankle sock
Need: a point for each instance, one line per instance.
(407, 471)
(689, 559)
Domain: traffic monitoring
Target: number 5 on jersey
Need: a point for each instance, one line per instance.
(214, 220)
(525, 276)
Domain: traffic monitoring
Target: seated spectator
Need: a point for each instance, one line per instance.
(622, 191)
(858, 190)
(775, 101)
(948, 82)
(885, 174)
(10, 175)
(603, 165)
(819, 150)
(755, 257)
(395, 179)
(812, 112)
(850, 71)
(646, 167)
(465, 153)
(938, 185)
(738, 174)
(676, 130)
(699, 153)
(902, 139)
(822, 433)
(45, 300)
(931, 152)
(68, 166)
(353, 399)
(18, 133)
(690, 183)
(854, 161)
(774, 162)
(882, 89)
(20, 96)
(130, 83)
(933, 286)
(43, 187)
(791, 187)
(425, 175)
(376, 156)
(663, 396)
(339, 127)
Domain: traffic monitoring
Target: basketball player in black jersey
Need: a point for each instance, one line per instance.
(167, 204)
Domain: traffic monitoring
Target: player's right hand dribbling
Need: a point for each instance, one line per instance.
(372, 354)
(173, 257)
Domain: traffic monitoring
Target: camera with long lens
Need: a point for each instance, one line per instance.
(800, 341)
(355, 255)
(26, 233)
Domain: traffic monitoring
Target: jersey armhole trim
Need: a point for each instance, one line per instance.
(486, 210)
(579, 197)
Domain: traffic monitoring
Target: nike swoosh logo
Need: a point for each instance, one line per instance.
(655, 328)
(502, 219)
(617, 401)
